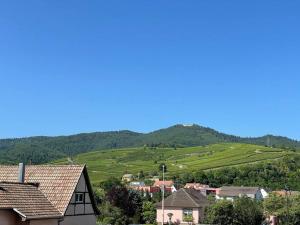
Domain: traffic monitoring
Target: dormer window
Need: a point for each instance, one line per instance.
(79, 197)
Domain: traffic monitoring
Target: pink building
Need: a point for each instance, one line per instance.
(185, 206)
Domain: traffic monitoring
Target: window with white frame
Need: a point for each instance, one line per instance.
(187, 215)
(79, 197)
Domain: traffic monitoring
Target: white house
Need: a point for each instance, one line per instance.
(232, 192)
(67, 188)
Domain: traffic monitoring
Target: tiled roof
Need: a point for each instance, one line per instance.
(196, 185)
(167, 183)
(57, 183)
(188, 198)
(285, 193)
(236, 191)
(27, 201)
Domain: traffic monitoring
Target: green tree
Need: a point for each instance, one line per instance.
(221, 212)
(149, 212)
(247, 211)
(286, 208)
(112, 215)
(161, 166)
(141, 174)
(110, 183)
(200, 177)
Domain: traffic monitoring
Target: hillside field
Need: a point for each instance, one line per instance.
(107, 163)
(43, 149)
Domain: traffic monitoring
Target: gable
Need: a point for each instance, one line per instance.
(57, 183)
(86, 206)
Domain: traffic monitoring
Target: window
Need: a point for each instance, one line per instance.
(188, 215)
(79, 197)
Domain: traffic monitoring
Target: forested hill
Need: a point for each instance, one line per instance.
(45, 149)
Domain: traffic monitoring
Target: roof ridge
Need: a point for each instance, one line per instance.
(190, 197)
(19, 183)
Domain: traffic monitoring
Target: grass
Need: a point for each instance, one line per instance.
(104, 164)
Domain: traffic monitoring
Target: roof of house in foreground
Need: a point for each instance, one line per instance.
(27, 201)
(185, 198)
(236, 191)
(56, 182)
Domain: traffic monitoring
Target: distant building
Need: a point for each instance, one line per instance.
(232, 192)
(185, 206)
(127, 177)
(137, 184)
(46, 195)
(203, 188)
(168, 184)
(284, 193)
(155, 188)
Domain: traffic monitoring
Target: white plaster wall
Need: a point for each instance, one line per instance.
(69, 218)
(79, 220)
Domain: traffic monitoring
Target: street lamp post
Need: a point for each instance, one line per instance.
(163, 196)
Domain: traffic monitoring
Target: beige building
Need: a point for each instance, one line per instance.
(127, 177)
(186, 206)
(65, 191)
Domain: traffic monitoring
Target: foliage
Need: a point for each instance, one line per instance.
(112, 215)
(107, 163)
(286, 208)
(240, 212)
(222, 212)
(188, 218)
(163, 167)
(149, 212)
(124, 203)
(273, 175)
(46, 149)
(247, 211)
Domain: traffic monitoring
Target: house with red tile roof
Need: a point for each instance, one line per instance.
(205, 189)
(65, 191)
(168, 184)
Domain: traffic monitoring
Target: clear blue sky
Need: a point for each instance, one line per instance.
(80, 66)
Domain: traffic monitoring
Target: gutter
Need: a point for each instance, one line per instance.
(24, 217)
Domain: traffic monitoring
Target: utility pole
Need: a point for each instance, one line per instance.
(163, 196)
(287, 204)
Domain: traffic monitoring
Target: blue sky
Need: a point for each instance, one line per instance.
(80, 66)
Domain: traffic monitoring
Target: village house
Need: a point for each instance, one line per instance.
(168, 184)
(185, 206)
(203, 188)
(284, 193)
(127, 178)
(155, 188)
(232, 192)
(46, 195)
(24, 204)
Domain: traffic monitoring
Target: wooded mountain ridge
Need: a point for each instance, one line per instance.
(42, 149)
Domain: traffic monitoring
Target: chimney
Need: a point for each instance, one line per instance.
(21, 176)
